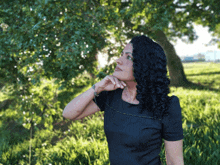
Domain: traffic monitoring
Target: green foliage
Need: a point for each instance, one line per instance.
(63, 36)
(216, 34)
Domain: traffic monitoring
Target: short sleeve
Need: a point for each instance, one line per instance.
(101, 100)
(172, 123)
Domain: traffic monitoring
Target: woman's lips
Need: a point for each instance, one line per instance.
(116, 69)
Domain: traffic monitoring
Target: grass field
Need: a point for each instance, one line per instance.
(84, 142)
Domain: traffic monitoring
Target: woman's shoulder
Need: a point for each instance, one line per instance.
(174, 103)
(174, 98)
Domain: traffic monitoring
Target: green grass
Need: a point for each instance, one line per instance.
(84, 142)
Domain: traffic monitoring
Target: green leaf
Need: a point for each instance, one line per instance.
(62, 66)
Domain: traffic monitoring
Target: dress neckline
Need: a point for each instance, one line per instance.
(124, 100)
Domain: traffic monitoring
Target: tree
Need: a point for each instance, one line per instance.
(164, 21)
(66, 36)
(81, 27)
(210, 17)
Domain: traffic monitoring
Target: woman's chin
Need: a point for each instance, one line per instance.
(116, 73)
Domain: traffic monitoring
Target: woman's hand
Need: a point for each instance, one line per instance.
(110, 83)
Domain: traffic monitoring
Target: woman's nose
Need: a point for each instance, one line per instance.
(119, 60)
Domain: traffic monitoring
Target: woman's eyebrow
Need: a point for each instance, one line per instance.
(128, 52)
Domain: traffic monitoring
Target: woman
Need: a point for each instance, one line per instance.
(138, 111)
(138, 116)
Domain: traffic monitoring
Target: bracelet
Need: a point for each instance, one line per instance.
(95, 92)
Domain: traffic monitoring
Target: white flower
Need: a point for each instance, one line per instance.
(44, 144)
(58, 44)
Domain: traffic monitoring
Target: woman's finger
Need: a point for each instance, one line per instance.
(119, 83)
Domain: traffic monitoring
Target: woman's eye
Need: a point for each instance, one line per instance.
(127, 56)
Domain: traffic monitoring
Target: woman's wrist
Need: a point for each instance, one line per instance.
(98, 89)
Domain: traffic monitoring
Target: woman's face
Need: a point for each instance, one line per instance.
(125, 63)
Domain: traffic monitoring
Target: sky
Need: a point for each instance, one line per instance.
(198, 45)
(183, 49)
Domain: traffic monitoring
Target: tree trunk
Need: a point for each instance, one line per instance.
(175, 67)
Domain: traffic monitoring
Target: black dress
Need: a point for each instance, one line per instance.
(133, 138)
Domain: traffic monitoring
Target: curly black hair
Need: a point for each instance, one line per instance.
(150, 73)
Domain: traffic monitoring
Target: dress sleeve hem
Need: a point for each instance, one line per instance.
(175, 139)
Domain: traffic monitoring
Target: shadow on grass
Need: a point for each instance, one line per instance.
(194, 86)
(204, 74)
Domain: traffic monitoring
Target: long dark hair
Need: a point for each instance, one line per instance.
(150, 74)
